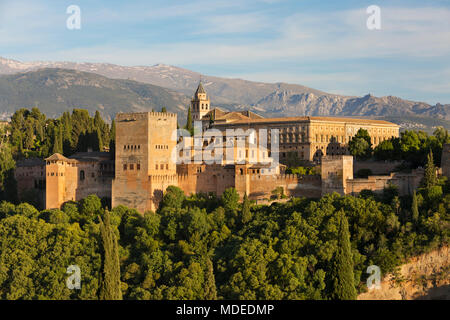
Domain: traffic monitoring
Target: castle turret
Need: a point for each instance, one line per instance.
(56, 178)
(200, 104)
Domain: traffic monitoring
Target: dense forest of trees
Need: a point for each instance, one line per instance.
(34, 135)
(203, 247)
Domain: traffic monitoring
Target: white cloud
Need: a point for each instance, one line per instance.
(300, 38)
(233, 23)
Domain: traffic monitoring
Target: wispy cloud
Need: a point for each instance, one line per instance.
(249, 37)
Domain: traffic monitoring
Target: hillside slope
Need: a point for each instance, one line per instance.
(54, 91)
(423, 277)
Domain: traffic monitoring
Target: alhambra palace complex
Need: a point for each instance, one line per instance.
(145, 164)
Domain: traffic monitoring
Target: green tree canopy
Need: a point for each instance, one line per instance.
(342, 277)
(360, 145)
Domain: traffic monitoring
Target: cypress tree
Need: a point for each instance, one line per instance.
(60, 139)
(112, 140)
(110, 288)
(246, 213)
(189, 122)
(67, 124)
(67, 133)
(164, 109)
(57, 140)
(430, 178)
(29, 134)
(100, 140)
(415, 208)
(342, 278)
(98, 121)
(210, 282)
(112, 133)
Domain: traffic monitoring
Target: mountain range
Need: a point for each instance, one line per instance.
(57, 86)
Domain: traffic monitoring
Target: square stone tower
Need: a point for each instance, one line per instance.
(335, 172)
(143, 162)
(55, 169)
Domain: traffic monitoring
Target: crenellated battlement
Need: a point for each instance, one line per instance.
(124, 117)
(163, 178)
(285, 177)
(163, 114)
(183, 177)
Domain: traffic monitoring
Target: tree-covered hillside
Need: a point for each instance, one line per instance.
(203, 247)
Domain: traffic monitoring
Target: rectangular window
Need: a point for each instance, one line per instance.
(131, 166)
(124, 167)
(138, 167)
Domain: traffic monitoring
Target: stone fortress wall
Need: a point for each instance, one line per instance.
(144, 165)
(143, 169)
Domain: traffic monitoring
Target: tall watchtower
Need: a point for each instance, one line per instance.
(335, 172)
(200, 104)
(55, 192)
(143, 162)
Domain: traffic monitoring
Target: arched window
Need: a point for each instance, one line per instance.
(82, 175)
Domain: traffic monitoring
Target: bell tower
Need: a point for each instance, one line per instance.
(200, 104)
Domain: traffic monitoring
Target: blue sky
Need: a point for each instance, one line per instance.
(321, 44)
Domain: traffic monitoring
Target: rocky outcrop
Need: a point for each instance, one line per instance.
(424, 277)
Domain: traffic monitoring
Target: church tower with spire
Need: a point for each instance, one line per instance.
(200, 104)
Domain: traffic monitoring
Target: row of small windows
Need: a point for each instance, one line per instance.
(327, 138)
(61, 174)
(132, 147)
(161, 147)
(161, 166)
(31, 174)
(197, 107)
(370, 130)
(329, 129)
(291, 138)
(255, 171)
(53, 174)
(106, 166)
(341, 139)
(290, 129)
(131, 166)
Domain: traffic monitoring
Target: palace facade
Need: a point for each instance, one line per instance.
(150, 156)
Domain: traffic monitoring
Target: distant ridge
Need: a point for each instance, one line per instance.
(267, 99)
(54, 91)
